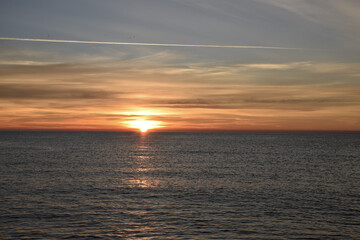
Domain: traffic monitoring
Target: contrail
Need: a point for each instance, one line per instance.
(143, 44)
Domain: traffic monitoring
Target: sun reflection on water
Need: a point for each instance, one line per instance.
(142, 158)
(144, 182)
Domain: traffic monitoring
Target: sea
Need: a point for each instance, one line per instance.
(117, 185)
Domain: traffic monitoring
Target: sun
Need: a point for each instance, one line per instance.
(143, 125)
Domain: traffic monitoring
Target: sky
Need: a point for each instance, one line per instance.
(180, 65)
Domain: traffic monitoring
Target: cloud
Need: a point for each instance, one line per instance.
(145, 44)
(293, 104)
(102, 94)
(30, 91)
(249, 96)
(313, 67)
(333, 13)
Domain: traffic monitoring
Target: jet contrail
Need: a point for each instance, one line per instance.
(143, 44)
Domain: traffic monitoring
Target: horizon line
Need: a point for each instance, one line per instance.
(178, 131)
(145, 44)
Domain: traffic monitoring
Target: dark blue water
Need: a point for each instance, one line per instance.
(87, 185)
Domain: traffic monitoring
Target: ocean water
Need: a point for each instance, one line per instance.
(102, 185)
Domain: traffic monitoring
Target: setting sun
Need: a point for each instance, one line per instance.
(143, 125)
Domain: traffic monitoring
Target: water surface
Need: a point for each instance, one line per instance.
(86, 185)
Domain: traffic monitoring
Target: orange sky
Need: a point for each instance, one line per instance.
(105, 95)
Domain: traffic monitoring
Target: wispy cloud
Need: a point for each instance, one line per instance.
(329, 12)
(46, 92)
(145, 44)
(106, 92)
